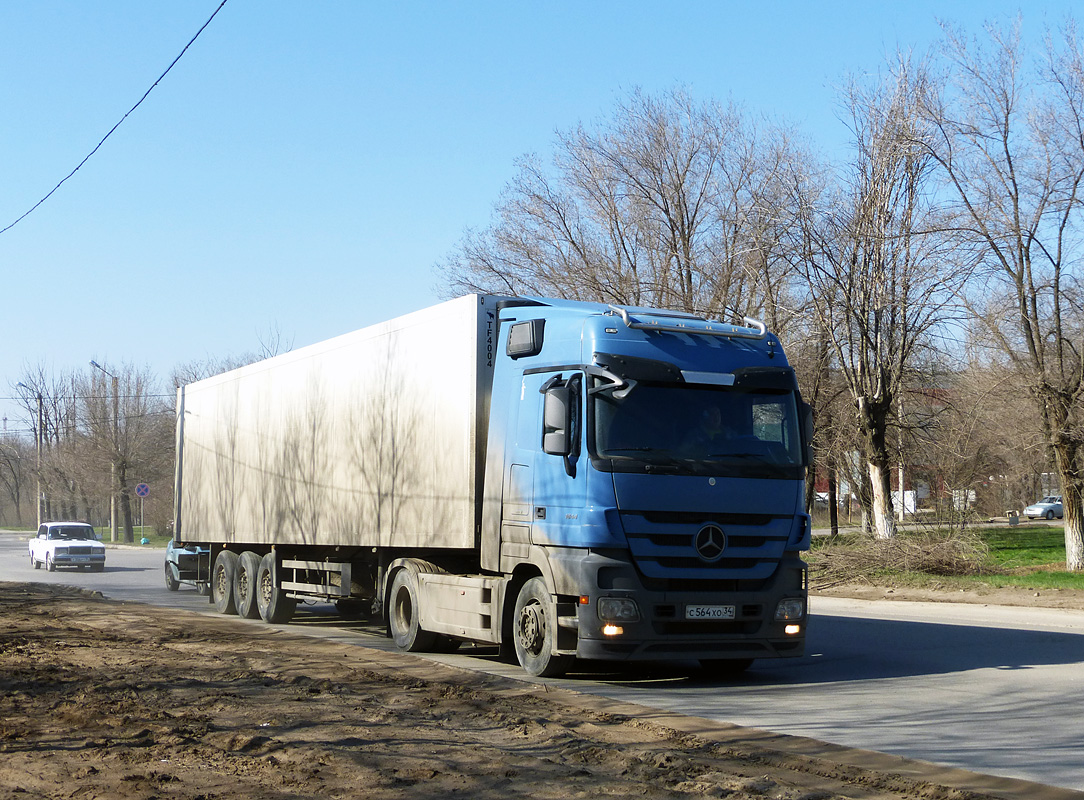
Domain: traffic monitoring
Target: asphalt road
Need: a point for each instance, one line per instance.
(995, 690)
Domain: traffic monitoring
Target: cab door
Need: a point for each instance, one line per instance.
(560, 463)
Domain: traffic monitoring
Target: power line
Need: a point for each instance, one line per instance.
(133, 108)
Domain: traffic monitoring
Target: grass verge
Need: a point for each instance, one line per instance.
(1029, 556)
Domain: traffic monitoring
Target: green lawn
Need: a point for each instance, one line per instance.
(156, 539)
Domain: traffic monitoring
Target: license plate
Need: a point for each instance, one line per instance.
(709, 612)
(80, 558)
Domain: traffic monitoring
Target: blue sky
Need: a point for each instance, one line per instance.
(306, 164)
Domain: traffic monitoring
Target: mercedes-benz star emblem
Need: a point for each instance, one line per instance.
(710, 541)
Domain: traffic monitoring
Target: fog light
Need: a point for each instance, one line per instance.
(612, 630)
(789, 609)
(792, 630)
(618, 609)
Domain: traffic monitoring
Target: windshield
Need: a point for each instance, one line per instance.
(699, 429)
(72, 532)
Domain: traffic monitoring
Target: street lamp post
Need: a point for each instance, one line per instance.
(113, 456)
(38, 436)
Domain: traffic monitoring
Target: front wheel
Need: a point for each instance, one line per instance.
(172, 584)
(49, 565)
(34, 562)
(535, 632)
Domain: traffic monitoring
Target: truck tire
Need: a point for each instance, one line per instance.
(403, 611)
(274, 606)
(535, 632)
(244, 585)
(172, 584)
(222, 578)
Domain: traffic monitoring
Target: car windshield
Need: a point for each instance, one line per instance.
(72, 532)
(698, 429)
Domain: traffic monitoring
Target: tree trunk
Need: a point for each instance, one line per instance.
(833, 500)
(884, 522)
(1067, 458)
(125, 501)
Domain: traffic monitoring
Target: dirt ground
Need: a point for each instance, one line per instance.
(100, 699)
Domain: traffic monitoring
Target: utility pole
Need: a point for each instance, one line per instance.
(39, 433)
(113, 455)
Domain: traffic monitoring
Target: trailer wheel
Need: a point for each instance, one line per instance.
(403, 609)
(275, 607)
(535, 632)
(244, 585)
(222, 577)
(171, 579)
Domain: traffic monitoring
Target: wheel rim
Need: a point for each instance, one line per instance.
(264, 587)
(403, 609)
(221, 584)
(532, 628)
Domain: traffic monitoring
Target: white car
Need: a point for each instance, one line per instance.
(1047, 508)
(67, 544)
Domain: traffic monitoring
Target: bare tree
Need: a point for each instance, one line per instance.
(129, 432)
(1009, 141)
(878, 270)
(16, 458)
(669, 203)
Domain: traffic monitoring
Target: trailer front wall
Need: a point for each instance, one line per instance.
(369, 439)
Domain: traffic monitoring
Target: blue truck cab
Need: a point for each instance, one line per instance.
(644, 487)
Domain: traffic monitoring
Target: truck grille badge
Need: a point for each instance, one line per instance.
(709, 543)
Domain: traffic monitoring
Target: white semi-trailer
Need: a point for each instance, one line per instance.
(563, 479)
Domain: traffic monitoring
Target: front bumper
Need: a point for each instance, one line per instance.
(78, 560)
(663, 631)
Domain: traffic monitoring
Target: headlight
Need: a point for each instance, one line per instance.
(618, 609)
(60, 551)
(790, 609)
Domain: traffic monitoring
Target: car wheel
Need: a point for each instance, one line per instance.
(34, 562)
(49, 565)
(172, 584)
(1049, 515)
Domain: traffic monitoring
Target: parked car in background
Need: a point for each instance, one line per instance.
(67, 544)
(182, 566)
(1047, 508)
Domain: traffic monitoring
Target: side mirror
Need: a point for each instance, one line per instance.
(557, 421)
